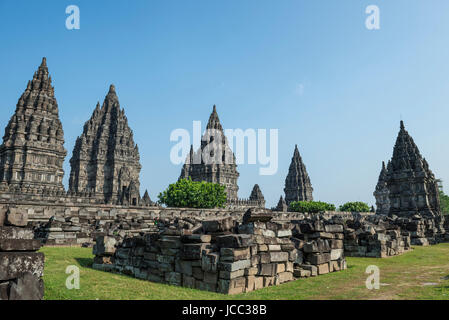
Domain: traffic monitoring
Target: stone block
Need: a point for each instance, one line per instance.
(323, 268)
(268, 281)
(284, 233)
(234, 266)
(317, 246)
(278, 256)
(234, 241)
(233, 286)
(188, 281)
(336, 244)
(2, 217)
(27, 287)
(274, 247)
(104, 246)
(318, 258)
(228, 275)
(15, 264)
(234, 254)
(334, 266)
(173, 278)
(251, 271)
(19, 245)
(334, 228)
(268, 269)
(198, 273)
(313, 269)
(192, 251)
(196, 238)
(209, 262)
(221, 225)
(284, 277)
(337, 254)
(186, 267)
(16, 217)
(265, 257)
(7, 232)
(210, 277)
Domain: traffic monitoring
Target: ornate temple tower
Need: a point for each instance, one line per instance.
(297, 183)
(32, 153)
(256, 195)
(412, 186)
(218, 169)
(105, 158)
(381, 193)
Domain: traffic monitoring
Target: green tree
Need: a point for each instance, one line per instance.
(355, 207)
(444, 199)
(311, 206)
(193, 194)
(444, 203)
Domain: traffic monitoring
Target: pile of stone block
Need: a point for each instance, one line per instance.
(319, 244)
(222, 256)
(21, 267)
(376, 237)
(82, 229)
(422, 230)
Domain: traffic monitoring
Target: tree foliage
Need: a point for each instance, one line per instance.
(355, 207)
(193, 194)
(311, 206)
(444, 203)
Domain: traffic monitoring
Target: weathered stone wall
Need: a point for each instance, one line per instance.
(319, 242)
(226, 256)
(21, 267)
(214, 260)
(375, 238)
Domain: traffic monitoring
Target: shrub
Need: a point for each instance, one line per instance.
(193, 194)
(355, 207)
(311, 206)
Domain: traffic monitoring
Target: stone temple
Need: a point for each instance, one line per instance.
(106, 160)
(32, 153)
(297, 183)
(411, 185)
(221, 169)
(381, 193)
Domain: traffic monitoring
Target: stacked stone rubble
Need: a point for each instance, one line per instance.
(422, 230)
(375, 237)
(225, 256)
(21, 267)
(319, 244)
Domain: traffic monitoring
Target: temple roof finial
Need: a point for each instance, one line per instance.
(112, 88)
(44, 62)
(402, 125)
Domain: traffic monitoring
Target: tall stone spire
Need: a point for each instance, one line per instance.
(412, 186)
(256, 195)
(282, 205)
(214, 161)
(381, 193)
(297, 183)
(105, 158)
(32, 153)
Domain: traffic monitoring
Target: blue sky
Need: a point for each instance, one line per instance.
(308, 68)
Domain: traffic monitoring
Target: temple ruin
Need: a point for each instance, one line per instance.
(236, 249)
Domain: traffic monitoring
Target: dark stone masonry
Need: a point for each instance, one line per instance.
(225, 256)
(236, 249)
(21, 267)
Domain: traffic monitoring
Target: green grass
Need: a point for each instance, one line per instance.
(420, 274)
